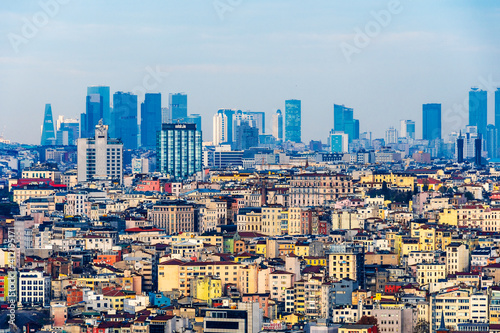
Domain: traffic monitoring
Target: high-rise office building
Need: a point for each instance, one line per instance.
(407, 129)
(478, 110)
(223, 126)
(48, 133)
(391, 136)
(124, 119)
(178, 150)
(259, 119)
(177, 104)
(67, 131)
(460, 149)
(343, 121)
(477, 150)
(195, 119)
(100, 157)
(491, 141)
(293, 121)
(497, 112)
(339, 142)
(150, 120)
(431, 123)
(246, 136)
(92, 116)
(278, 125)
(102, 91)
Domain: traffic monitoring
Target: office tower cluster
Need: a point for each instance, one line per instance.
(345, 129)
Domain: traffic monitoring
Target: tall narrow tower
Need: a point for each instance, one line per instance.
(48, 133)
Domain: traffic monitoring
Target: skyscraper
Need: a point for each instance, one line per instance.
(99, 156)
(124, 118)
(343, 121)
(278, 125)
(431, 123)
(460, 149)
(478, 110)
(497, 112)
(391, 135)
(293, 123)
(259, 119)
(407, 129)
(223, 126)
(195, 119)
(150, 120)
(102, 91)
(491, 141)
(246, 136)
(178, 150)
(67, 131)
(177, 104)
(94, 113)
(48, 133)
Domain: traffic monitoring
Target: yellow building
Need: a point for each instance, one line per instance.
(315, 261)
(249, 279)
(231, 177)
(177, 274)
(212, 240)
(342, 266)
(261, 248)
(7, 258)
(409, 245)
(428, 273)
(117, 298)
(206, 288)
(448, 216)
(286, 248)
(301, 250)
(271, 220)
(294, 216)
(397, 181)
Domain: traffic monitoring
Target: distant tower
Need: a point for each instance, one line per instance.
(150, 120)
(278, 125)
(477, 150)
(431, 124)
(178, 107)
(48, 132)
(293, 122)
(460, 149)
(478, 109)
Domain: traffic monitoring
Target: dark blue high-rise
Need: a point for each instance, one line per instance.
(293, 121)
(103, 91)
(431, 121)
(478, 110)
(178, 107)
(48, 133)
(150, 120)
(94, 113)
(124, 119)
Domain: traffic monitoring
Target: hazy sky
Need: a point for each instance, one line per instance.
(250, 55)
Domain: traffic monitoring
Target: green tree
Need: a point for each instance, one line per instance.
(469, 196)
(421, 327)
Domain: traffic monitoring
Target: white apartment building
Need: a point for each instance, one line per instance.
(34, 288)
(100, 157)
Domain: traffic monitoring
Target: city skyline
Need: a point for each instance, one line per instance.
(312, 67)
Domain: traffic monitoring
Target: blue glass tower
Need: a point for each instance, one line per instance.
(94, 113)
(431, 122)
(293, 122)
(478, 110)
(178, 150)
(48, 132)
(103, 91)
(124, 125)
(178, 107)
(150, 120)
(497, 112)
(195, 119)
(343, 121)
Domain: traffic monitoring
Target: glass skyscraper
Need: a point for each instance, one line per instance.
(431, 122)
(278, 125)
(293, 122)
(478, 110)
(124, 119)
(102, 91)
(497, 112)
(178, 150)
(48, 132)
(150, 120)
(195, 119)
(178, 107)
(343, 121)
(94, 113)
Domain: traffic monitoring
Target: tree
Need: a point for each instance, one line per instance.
(469, 196)
(421, 327)
(367, 320)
